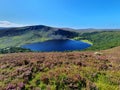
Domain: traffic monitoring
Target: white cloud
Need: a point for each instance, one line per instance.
(9, 24)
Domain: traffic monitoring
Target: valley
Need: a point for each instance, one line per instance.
(99, 39)
(59, 44)
(94, 68)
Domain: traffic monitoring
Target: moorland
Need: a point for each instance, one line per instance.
(96, 68)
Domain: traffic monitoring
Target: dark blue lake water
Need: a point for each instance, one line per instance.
(57, 45)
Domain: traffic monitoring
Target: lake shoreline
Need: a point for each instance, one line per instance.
(58, 45)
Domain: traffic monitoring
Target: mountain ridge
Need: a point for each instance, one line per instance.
(64, 28)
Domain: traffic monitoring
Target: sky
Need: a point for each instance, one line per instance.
(61, 13)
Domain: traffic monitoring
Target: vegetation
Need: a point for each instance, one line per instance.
(14, 50)
(14, 37)
(101, 40)
(60, 71)
(63, 70)
(87, 41)
(83, 40)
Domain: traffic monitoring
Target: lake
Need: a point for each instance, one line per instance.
(57, 45)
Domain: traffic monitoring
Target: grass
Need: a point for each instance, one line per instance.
(16, 41)
(83, 40)
(103, 39)
(87, 41)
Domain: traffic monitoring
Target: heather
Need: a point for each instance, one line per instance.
(60, 71)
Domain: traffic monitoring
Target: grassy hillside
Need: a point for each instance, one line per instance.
(14, 50)
(60, 71)
(13, 37)
(101, 39)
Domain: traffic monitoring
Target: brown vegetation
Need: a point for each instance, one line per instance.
(59, 71)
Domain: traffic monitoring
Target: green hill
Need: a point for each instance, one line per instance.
(100, 39)
(13, 37)
(103, 39)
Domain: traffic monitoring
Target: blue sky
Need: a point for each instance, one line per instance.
(61, 13)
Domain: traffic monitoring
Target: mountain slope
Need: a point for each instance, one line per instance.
(29, 34)
(114, 54)
(14, 37)
(102, 39)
